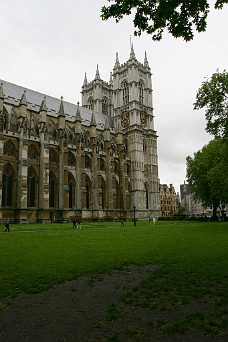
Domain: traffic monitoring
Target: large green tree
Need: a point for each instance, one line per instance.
(213, 95)
(181, 18)
(207, 174)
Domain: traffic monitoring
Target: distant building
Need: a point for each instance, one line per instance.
(190, 205)
(169, 200)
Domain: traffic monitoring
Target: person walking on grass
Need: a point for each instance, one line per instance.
(154, 220)
(7, 225)
(74, 223)
(79, 224)
(121, 223)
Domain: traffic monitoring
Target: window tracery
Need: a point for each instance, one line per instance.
(53, 157)
(125, 94)
(32, 152)
(9, 149)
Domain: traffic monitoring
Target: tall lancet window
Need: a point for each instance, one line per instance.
(141, 93)
(91, 103)
(125, 94)
(105, 106)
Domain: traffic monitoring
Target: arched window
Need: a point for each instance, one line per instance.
(88, 163)
(53, 156)
(147, 196)
(116, 167)
(32, 152)
(71, 138)
(105, 106)
(141, 93)
(71, 184)
(91, 103)
(88, 192)
(102, 164)
(31, 182)
(53, 194)
(71, 159)
(9, 149)
(7, 186)
(125, 94)
(128, 169)
(102, 191)
(144, 145)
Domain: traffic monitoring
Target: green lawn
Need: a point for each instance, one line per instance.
(193, 258)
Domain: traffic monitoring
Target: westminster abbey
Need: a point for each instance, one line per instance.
(97, 161)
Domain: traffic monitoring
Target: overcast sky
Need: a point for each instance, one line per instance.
(48, 45)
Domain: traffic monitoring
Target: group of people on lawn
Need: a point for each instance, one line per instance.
(75, 222)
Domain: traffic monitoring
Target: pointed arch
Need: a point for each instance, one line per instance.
(72, 188)
(102, 192)
(91, 103)
(32, 184)
(70, 135)
(102, 164)
(53, 156)
(141, 92)
(32, 152)
(105, 105)
(52, 130)
(116, 195)
(88, 162)
(125, 93)
(9, 149)
(8, 186)
(53, 190)
(88, 193)
(147, 195)
(71, 159)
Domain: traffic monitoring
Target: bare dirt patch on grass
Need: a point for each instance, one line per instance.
(90, 309)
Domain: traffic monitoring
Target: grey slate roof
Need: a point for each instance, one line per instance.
(13, 94)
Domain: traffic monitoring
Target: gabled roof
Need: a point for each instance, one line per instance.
(13, 94)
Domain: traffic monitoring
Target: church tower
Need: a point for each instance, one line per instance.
(97, 95)
(133, 110)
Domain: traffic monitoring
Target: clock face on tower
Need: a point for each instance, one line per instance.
(125, 120)
(143, 120)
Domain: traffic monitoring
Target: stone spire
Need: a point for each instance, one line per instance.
(93, 120)
(97, 76)
(85, 80)
(23, 100)
(146, 64)
(132, 54)
(78, 114)
(43, 106)
(61, 108)
(117, 64)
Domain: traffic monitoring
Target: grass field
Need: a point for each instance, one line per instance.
(193, 259)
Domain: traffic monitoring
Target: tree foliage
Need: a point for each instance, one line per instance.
(213, 94)
(153, 16)
(207, 173)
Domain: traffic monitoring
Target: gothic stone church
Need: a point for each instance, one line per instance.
(97, 161)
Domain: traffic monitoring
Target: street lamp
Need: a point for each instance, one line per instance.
(134, 216)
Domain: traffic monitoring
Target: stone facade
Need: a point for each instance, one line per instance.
(97, 161)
